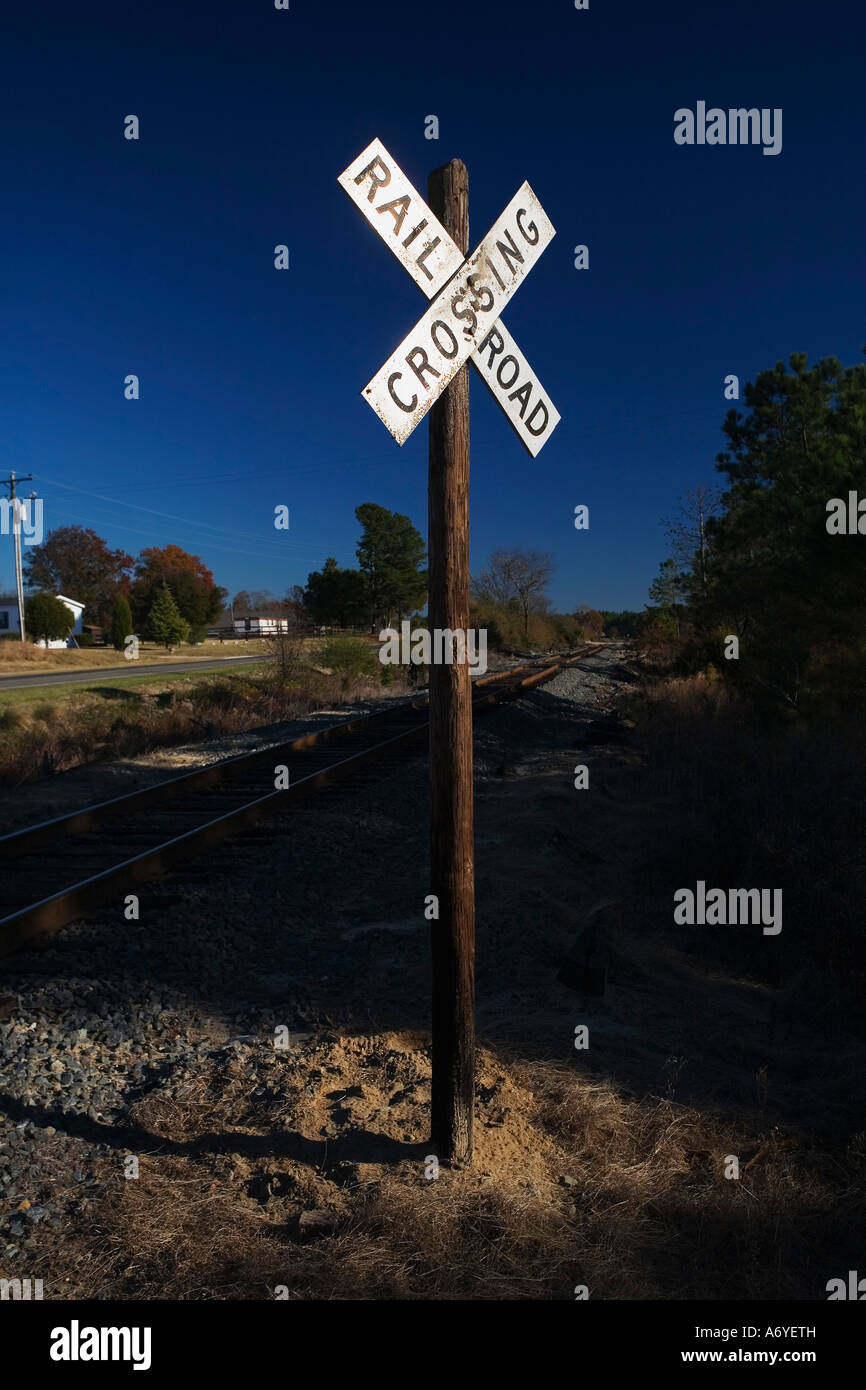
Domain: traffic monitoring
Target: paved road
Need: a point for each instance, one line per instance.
(129, 668)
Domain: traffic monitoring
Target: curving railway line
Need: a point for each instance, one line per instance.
(55, 871)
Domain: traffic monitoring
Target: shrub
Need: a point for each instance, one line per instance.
(214, 695)
(197, 634)
(121, 623)
(349, 658)
(47, 618)
(9, 719)
(494, 631)
(45, 712)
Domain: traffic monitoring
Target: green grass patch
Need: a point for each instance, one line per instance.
(34, 694)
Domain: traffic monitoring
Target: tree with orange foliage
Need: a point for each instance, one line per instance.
(199, 600)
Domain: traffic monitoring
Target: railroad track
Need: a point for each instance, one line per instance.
(53, 872)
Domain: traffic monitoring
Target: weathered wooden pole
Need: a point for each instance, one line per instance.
(452, 870)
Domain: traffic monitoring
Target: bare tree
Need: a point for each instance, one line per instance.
(516, 576)
(687, 531)
(287, 652)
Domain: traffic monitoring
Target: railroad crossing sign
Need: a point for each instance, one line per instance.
(467, 296)
(426, 370)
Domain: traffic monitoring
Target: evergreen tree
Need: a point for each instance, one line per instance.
(666, 588)
(791, 591)
(336, 597)
(390, 554)
(164, 623)
(197, 597)
(121, 622)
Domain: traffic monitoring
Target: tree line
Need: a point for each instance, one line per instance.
(761, 559)
(169, 596)
(165, 594)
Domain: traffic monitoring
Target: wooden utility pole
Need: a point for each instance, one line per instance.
(16, 534)
(437, 351)
(452, 869)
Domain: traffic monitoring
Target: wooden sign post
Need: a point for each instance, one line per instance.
(452, 848)
(428, 372)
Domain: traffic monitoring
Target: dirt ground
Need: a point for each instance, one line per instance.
(280, 1111)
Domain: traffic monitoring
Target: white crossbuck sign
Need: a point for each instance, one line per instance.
(467, 295)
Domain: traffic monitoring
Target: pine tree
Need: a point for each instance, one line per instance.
(336, 597)
(121, 623)
(778, 579)
(164, 622)
(666, 588)
(390, 554)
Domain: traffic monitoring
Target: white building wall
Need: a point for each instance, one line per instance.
(9, 621)
(262, 627)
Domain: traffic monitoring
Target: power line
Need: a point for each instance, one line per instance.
(215, 478)
(170, 516)
(215, 545)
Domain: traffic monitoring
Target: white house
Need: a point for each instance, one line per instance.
(8, 613)
(261, 627)
(9, 618)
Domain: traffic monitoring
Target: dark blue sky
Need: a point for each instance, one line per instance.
(156, 257)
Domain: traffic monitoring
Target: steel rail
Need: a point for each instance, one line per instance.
(51, 913)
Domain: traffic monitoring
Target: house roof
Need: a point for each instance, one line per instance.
(11, 601)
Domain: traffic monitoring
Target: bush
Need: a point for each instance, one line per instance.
(9, 719)
(47, 618)
(121, 623)
(494, 631)
(45, 712)
(214, 695)
(504, 624)
(350, 658)
(197, 634)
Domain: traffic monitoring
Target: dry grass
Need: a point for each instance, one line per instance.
(49, 737)
(646, 1211)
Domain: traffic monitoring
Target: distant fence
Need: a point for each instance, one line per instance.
(231, 634)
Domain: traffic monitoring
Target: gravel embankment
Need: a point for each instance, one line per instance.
(256, 935)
